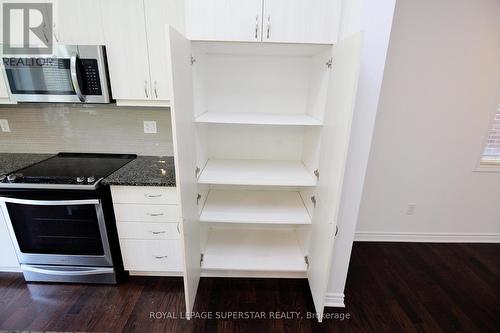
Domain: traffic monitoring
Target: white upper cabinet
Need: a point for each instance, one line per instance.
(159, 13)
(224, 20)
(286, 21)
(77, 22)
(301, 21)
(135, 40)
(127, 49)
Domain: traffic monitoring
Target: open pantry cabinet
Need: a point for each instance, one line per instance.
(261, 133)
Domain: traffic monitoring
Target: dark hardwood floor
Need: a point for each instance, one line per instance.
(391, 287)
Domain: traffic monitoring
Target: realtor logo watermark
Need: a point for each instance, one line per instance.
(27, 28)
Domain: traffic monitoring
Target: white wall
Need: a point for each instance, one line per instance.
(440, 90)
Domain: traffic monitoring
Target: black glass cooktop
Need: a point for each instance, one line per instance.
(70, 168)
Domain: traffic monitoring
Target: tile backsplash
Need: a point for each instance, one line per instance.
(52, 128)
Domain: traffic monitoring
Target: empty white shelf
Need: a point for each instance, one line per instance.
(256, 172)
(253, 250)
(258, 119)
(273, 207)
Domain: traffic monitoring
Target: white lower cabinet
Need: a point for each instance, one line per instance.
(8, 258)
(147, 220)
(151, 255)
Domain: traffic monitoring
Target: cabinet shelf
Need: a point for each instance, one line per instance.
(256, 172)
(257, 119)
(265, 207)
(253, 250)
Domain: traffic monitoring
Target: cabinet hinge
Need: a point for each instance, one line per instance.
(316, 173)
(306, 260)
(201, 259)
(193, 60)
(198, 197)
(313, 200)
(329, 63)
(196, 172)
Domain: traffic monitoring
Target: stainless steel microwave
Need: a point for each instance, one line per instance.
(71, 74)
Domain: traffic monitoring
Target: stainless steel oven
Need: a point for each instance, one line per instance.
(72, 74)
(60, 240)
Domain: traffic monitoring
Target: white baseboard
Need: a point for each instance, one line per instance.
(334, 300)
(424, 237)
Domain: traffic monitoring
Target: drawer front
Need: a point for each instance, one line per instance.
(145, 195)
(134, 230)
(151, 255)
(146, 213)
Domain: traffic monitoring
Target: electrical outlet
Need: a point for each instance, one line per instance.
(410, 210)
(150, 127)
(4, 124)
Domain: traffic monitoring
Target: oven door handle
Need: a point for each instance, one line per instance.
(74, 77)
(90, 271)
(50, 202)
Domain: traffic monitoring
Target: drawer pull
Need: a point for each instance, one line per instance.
(152, 195)
(157, 232)
(160, 257)
(155, 214)
(178, 228)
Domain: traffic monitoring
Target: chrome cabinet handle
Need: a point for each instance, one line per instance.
(146, 89)
(156, 91)
(152, 195)
(178, 228)
(155, 214)
(157, 232)
(74, 77)
(160, 257)
(256, 26)
(268, 25)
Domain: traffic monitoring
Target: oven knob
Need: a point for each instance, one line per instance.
(91, 179)
(80, 179)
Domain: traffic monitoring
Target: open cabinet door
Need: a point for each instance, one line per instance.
(183, 129)
(334, 146)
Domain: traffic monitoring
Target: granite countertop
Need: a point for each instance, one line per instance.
(10, 162)
(144, 171)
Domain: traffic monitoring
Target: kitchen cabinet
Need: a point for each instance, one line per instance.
(224, 20)
(148, 224)
(8, 259)
(300, 21)
(284, 21)
(261, 133)
(134, 32)
(77, 22)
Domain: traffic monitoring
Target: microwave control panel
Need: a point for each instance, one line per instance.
(91, 84)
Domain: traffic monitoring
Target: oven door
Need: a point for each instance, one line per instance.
(54, 232)
(73, 74)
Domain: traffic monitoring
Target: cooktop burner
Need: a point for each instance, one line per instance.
(76, 170)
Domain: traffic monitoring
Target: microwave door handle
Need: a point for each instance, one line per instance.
(74, 77)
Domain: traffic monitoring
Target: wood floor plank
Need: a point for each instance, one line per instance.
(412, 287)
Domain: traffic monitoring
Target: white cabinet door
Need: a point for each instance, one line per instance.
(77, 22)
(183, 128)
(8, 258)
(224, 20)
(334, 146)
(126, 45)
(158, 14)
(301, 21)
